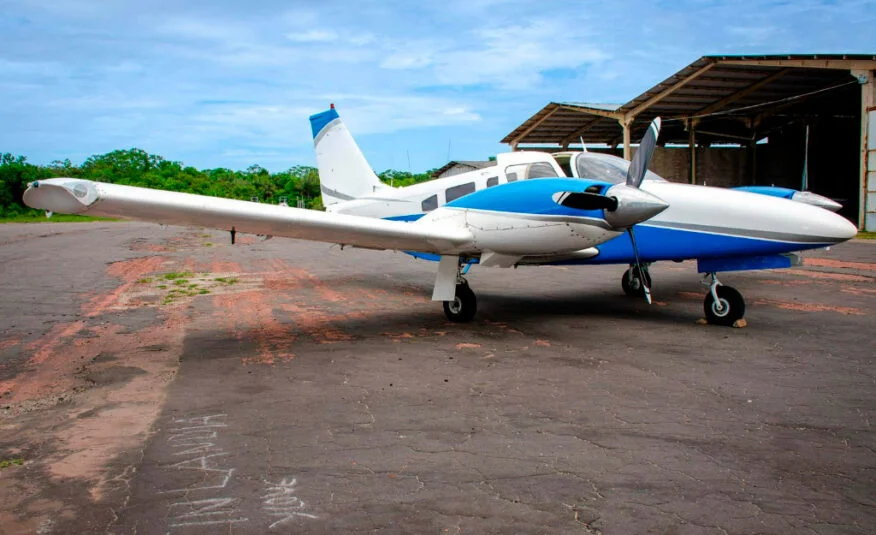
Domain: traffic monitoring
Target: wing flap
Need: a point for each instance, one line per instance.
(77, 196)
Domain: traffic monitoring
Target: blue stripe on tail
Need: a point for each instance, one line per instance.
(319, 120)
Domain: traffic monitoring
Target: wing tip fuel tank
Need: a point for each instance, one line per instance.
(61, 195)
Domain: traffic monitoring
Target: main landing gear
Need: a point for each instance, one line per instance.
(464, 305)
(723, 305)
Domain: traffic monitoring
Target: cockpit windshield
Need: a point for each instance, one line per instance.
(606, 168)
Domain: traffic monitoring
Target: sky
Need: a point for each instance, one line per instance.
(226, 83)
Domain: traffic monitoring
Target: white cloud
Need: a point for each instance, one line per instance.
(312, 36)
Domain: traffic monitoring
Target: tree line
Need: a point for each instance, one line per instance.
(136, 167)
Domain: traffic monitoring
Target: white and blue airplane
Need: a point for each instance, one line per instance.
(529, 208)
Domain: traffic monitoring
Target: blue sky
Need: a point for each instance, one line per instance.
(225, 83)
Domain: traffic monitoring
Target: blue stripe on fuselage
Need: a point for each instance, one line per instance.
(658, 243)
(772, 191)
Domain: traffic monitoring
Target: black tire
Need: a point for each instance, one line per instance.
(634, 287)
(463, 308)
(732, 306)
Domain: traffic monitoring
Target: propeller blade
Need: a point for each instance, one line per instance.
(642, 277)
(586, 201)
(639, 165)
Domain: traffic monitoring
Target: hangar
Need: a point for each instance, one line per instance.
(798, 121)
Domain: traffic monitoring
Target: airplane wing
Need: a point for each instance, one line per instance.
(86, 197)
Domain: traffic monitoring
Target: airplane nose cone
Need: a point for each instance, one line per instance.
(61, 195)
(837, 228)
(633, 206)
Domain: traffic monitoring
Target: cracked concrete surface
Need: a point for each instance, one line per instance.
(564, 408)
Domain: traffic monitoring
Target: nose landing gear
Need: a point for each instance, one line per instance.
(723, 305)
(632, 280)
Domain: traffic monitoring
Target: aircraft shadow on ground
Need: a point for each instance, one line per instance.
(420, 318)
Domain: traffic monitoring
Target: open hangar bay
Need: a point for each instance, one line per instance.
(163, 381)
(803, 121)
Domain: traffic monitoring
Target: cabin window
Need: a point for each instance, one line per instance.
(541, 170)
(430, 204)
(492, 181)
(459, 191)
(529, 170)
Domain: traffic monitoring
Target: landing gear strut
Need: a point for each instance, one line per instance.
(723, 305)
(464, 305)
(631, 281)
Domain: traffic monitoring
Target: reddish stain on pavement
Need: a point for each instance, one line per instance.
(318, 325)
(858, 291)
(809, 307)
(250, 316)
(831, 276)
(129, 271)
(831, 263)
(542, 343)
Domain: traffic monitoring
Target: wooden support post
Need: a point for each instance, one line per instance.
(867, 177)
(752, 161)
(628, 152)
(692, 147)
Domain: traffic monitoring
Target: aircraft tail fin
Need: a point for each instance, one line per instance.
(344, 174)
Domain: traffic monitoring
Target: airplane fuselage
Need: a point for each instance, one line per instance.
(701, 221)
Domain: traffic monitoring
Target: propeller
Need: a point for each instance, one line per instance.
(625, 204)
(635, 174)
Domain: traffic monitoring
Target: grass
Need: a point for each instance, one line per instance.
(181, 282)
(177, 275)
(56, 218)
(146, 280)
(15, 461)
(226, 280)
(864, 235)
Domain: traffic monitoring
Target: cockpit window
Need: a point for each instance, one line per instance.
(607, 168)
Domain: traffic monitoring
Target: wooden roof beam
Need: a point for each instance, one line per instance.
(840, 64)
(730, 99)
(514, 142)
(578, 133)
(630, 115)
(592, 111)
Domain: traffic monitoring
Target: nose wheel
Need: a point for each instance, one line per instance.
(723, 305)
(464, 305)
(632, 279)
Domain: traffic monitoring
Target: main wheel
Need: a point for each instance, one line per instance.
(632, 285)
(729, 307)
(463, 307)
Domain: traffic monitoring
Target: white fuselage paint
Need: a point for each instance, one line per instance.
(697, 208)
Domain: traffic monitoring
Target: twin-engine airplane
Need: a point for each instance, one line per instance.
(529, 208)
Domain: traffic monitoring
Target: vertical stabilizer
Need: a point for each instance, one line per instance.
(344, 174)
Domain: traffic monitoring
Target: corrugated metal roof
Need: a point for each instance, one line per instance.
(761, 88)
(475, 164)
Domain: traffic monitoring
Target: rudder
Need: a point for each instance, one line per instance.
(344, 173)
